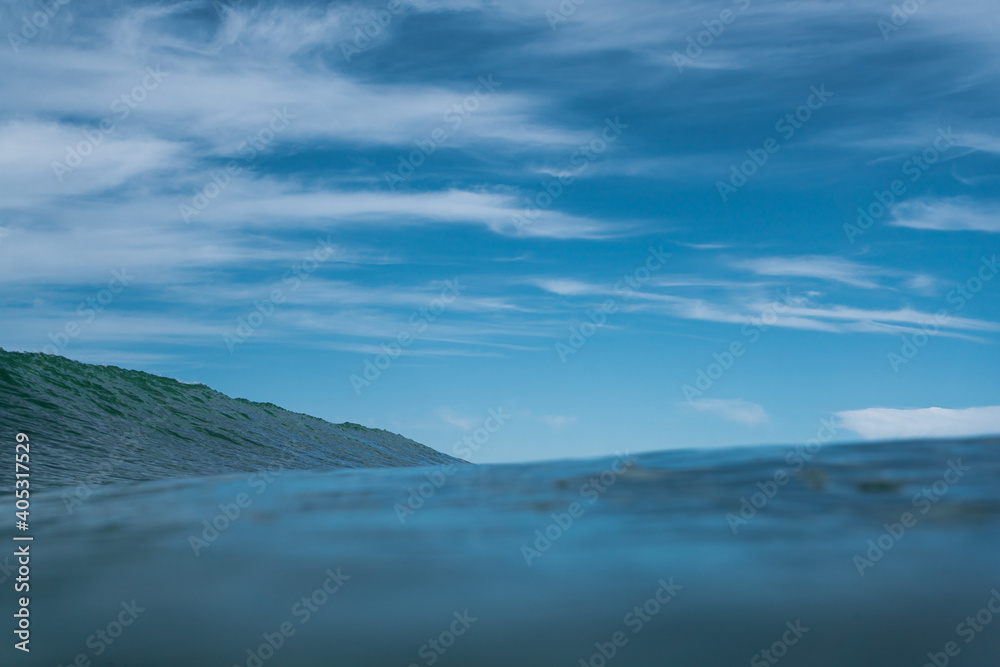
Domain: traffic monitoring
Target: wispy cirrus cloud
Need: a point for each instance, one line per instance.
(823, 268)
(744, 303)
(956, 214)
(732, 409)
(558, 422)
(831, 269)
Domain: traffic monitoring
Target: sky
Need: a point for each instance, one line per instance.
(551, 229)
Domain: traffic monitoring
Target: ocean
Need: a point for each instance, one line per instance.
(172, 525)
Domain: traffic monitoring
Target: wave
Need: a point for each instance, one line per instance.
(128, 426)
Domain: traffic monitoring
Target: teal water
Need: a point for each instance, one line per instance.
(559, 563)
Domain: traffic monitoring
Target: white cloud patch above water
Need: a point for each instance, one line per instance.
(889, 423)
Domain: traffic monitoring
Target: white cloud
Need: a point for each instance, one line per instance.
(558, 422)
(949, 215)
(450, 416)
(744, 304)
(813, 317)
(214, 94)
(889, 423)
(834, 269)
(266, 203)
(28, 150)
(567, 287)
(734, 410)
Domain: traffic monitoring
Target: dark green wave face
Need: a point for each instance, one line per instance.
(127, 426)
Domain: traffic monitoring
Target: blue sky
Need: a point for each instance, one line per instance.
(638, 225)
